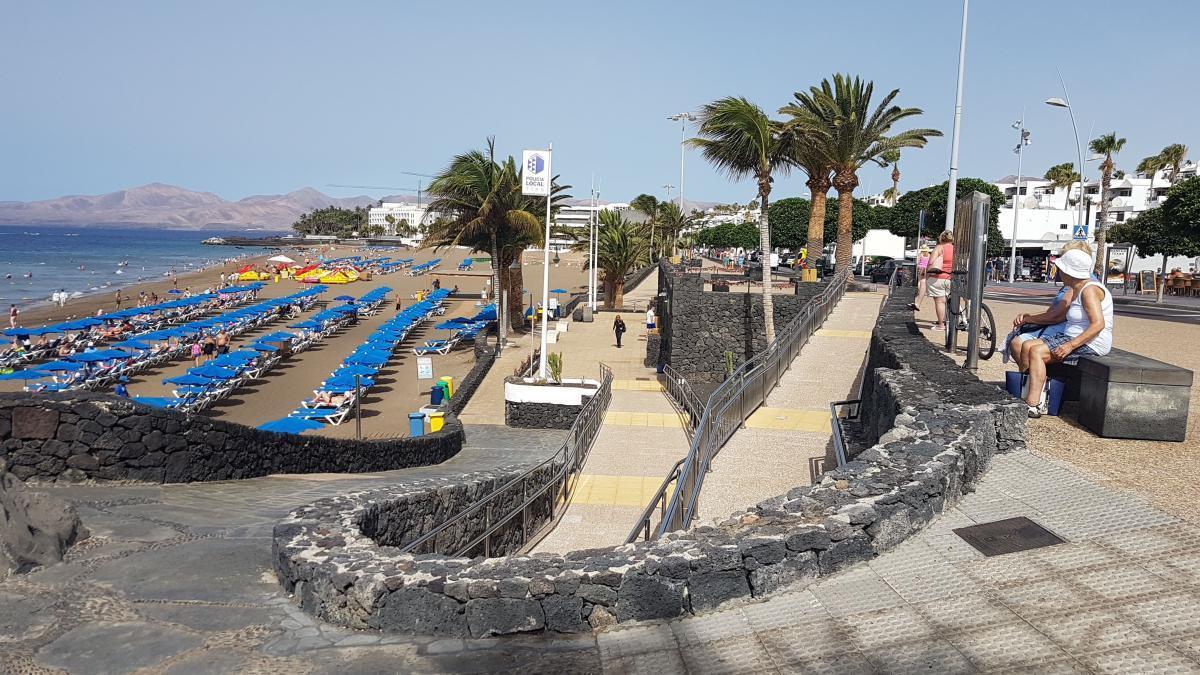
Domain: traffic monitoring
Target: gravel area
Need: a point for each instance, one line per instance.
(1165, 473)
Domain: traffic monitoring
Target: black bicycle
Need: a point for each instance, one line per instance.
(987, 323)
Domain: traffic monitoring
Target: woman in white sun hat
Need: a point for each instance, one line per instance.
(1086, 330)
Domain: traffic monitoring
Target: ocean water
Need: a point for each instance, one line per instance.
(36, 261)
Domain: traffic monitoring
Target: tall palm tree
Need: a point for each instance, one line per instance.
(1063, 176)
(739, 139)
(486, 209)
(820, 179)
(1173, 156)
(837, 118)
(1107, 145)
(648, 206)
(670, 223)
(621, 246)
(1150, 166)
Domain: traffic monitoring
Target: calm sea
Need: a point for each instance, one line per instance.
(42, 260)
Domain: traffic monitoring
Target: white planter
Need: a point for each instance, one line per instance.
(560, 394)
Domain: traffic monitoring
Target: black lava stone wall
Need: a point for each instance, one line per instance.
(79, 436)
(541, 415)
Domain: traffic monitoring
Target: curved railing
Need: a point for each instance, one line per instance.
(724, 413)
(517, 496)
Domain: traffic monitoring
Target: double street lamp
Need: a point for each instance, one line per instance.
(1022, 141)
(1065, 102)
(683, 118)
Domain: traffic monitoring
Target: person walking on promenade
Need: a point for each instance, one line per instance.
(618, 329)
(941, 262)
(651, 324)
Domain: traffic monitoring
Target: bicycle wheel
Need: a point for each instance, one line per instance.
(987, 332)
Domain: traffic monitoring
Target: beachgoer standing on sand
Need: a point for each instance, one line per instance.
(399, 304)
(222, 342)
(12, 316)
(618, 329)
(119, 299)
(197, 351)
(209, 348)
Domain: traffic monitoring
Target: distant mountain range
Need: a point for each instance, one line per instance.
(169, 206)
(172, 207)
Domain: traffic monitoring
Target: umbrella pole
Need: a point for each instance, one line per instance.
(358, 407)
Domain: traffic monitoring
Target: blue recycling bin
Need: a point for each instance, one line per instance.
(416, 424)
(436, 394)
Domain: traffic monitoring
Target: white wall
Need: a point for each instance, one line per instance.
(880, 242)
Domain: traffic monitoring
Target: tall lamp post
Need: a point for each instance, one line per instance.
(1022, 141)
(952, 195)
(1065, 102)
(683, 118)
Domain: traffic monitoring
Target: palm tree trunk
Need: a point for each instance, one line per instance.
(844, 182)
(618, 292)
(764, 243)
(610, 292)
(819, 187)
(1102, 219)
(514, 284)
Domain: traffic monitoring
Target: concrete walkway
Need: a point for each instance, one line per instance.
(642, 435)
(786, 442)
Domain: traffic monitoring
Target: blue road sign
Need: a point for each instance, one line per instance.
(1079, 232)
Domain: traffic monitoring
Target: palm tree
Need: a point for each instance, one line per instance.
(670, 222)
(647, 205)
(1150, 166)
(739, 138)
(1107, 145)
(486, 209)
(1063, 176)
(820, 179)
(893, 157)
(1173, 156)
(621, 246)
(838, 120)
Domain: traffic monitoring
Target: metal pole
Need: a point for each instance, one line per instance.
(1012, 262)
(546, 269)
(962, 58)
(682, 154)
(503, 310)
(591, 249)
(979, 230)
(358, 407)
(1078, 147)
(920, 231)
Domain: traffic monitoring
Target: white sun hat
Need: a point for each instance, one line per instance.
(1075, 264)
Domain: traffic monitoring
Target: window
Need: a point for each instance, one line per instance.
(1120, 216)
(1063, 226)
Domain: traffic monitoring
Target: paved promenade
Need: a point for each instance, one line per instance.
(786, 442)
(642, 435)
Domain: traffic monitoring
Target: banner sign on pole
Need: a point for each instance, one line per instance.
(535, 173)
(424, 367)
(1079, 232)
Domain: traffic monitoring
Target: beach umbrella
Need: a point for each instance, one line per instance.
(175, 291)
(155, 401)
(19, 332)
(278, 336)
(345, 298)
(189, 379)
(344, 384)
(99, 355)
(559, 290)
(60, 365)
(281, 259)
(306, 324)
(264, 347)
(213, 372)
(449, 325)
(26, 375)
(291, 425)
(133, 344)
(351, 371)
(345, 309)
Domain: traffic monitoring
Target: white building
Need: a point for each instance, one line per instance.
(1048, 214)
(416, 215)
(578, 216)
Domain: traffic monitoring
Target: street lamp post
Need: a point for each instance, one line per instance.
(683, 118)
(1022, 141)
(1065, 102)
(952, 195)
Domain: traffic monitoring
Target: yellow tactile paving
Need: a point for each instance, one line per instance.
(789, 419)
(841, 333)
(637, 385)
(642, 419)
(604, 490)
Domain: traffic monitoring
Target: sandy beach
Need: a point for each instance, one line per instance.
(397, 391)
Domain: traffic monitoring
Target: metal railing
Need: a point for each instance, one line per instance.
(725, 412)
(684, 398)
(473, 530)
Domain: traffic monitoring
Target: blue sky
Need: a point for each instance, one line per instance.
(244, 98)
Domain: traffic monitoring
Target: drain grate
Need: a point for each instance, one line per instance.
(1008, 536)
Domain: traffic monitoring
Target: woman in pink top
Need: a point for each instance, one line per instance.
(941, 262)
(922, 266)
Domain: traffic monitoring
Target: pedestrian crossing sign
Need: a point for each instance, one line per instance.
(1080, 233)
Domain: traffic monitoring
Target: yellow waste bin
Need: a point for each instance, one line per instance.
(449, 380)
(436, 420)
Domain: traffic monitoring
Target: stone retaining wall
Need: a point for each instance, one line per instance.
(527, 415)
(464, 389)
(933, 441)
(80, 435)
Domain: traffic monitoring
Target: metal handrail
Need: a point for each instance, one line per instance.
(727, 409)
(683, 396)
(569, 459)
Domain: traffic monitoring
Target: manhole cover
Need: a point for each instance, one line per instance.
(1008, 536)
(642, 379)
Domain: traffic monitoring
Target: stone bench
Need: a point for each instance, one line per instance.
(1127, 395)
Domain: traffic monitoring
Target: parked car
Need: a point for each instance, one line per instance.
(881, 273)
